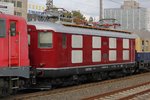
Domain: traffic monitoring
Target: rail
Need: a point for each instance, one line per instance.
(123, 94)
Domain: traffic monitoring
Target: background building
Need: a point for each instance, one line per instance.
(133, 18)
(130, 4)
(130, 19)
(20, 7)
(7, 8)
(35, 9)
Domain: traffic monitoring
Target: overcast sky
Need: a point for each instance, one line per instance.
(89, 7)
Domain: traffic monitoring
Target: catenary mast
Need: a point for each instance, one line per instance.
(101, 10)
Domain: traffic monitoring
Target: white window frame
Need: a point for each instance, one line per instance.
(126, 55)
(77, 56)
(112, 55)
(50, 42)
(126, 43)
(77, 41)
(96, 42)
(96, 56)
(112, 43)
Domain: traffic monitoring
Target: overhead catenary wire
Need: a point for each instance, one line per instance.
(115, 2)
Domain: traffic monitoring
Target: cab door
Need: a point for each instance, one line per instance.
(62, 49)
(14, 44)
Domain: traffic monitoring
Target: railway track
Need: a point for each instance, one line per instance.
(86, 90)
(130, 93)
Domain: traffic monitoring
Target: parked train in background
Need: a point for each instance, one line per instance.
(60, 54)
(143, 49)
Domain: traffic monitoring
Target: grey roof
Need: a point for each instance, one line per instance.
(75, 30)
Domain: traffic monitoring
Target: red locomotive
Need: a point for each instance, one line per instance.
(14, 60)
(59, 54)
(58, 50)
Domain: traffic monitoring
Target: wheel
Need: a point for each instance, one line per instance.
(4, 89)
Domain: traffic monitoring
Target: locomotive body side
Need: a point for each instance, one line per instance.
(77, 51)
(41, 54)
(13, 43)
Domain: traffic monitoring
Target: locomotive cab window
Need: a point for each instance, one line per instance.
(13, 28)
(2, 28)
(45, 40)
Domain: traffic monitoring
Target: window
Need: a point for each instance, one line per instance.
(37, 7)
(142, 42)
(112, 55)
(33, 6)
(2, 28)
(126, 43)
(146, 43)
(64, 41)
(6, 1)
(13, 28)
(125, 54)
(112, 43)
(43, 8)
(29, 5)
(14, 2)
(15, 12)
(77, 41)
(45, 39)
(18, 13)
(96, 55)
(19, 4)
(96, 42)
(77, 56)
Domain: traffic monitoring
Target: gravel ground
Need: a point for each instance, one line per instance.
(95, 90)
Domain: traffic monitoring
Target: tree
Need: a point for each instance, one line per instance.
(78, 17)
(78, 14)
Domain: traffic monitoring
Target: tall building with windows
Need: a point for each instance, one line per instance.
(20, 7)
(130, 19)
(133, 18)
